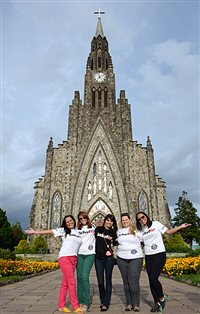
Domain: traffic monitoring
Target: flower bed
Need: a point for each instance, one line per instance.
(180, 266)
(26, 267)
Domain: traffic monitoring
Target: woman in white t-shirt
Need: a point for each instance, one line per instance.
(86, 256)
(155, 254)
(129, 261)
(67, 260)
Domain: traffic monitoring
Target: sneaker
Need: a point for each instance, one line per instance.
(64, 310)
(136, 308)
(156, 308)
(84, 308)
(128, 308)
(78, 310)
(163, 302)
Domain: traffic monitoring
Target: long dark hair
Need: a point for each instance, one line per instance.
(138, 224)
(84, 214)
(67, 230)
(112, 218)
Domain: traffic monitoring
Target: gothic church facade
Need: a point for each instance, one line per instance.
(99, 168)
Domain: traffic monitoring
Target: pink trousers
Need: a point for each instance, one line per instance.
(67, 265)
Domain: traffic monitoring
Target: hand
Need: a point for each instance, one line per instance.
(30, 231)
(185, 225)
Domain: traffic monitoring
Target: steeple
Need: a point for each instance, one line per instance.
(99, 78)
(99, 30)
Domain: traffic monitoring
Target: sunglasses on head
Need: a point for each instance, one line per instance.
(142, 217)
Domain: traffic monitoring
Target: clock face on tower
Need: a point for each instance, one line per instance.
(99, 77)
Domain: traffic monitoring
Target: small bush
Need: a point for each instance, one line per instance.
(7, 254)
(39, 245)
(175, 244)
(193, 252)
(23, 247)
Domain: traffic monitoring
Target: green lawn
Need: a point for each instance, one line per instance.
(191, 278)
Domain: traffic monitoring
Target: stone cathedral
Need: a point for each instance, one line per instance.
(100, 168)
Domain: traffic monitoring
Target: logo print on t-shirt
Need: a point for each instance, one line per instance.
(90, 247)
(133, 251)
(154, 246)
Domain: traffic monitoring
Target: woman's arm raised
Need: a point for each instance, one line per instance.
(175, 229)
(32, 231)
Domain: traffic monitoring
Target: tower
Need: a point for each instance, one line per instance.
(100, 168)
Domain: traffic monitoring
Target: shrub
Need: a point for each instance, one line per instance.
(23, 247)
(39, 245)
(7, 254)
(175, 243)
(194, 252)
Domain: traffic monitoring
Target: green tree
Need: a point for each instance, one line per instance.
(23, 247)
(39, 245)
(17, 233)
(6, 234)
(186, 213)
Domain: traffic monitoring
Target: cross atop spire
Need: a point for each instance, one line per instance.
(99, 30)
(99, 13)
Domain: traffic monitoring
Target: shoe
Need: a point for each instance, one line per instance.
(156, 308)
(128, 308)
(163, 303)
(104, 308)
(78, 310)
(136, 309)
(84, 308)
(64, 310)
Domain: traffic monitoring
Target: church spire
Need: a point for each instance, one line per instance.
(99, 30)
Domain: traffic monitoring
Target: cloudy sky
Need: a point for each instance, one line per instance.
(44, 48)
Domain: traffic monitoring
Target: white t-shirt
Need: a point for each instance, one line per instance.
(70, 242)
(88, 240)
(153, 241)
(129, 245)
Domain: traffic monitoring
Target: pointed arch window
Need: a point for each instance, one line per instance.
(105, 97)
(110, 190)
(99, 62)
(143, 202)
(93, 97)
(105, 178)
(56, 210)
(89, 191)
(94, 169)
(95, 185)
(106, 64)
(92, 64)
(99, 97)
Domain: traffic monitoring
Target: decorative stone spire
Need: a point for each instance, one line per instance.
(149, 145)
(50, 145)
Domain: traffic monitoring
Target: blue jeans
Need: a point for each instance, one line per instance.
(104, 266)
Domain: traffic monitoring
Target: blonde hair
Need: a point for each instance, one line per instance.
(132, 226)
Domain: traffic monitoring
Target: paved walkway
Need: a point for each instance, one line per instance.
(39, 295)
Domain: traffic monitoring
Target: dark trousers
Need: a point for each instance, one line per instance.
(154, 266)
(104, 267)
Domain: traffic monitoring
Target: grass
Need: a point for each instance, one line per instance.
(189, 278)
(15, 278)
